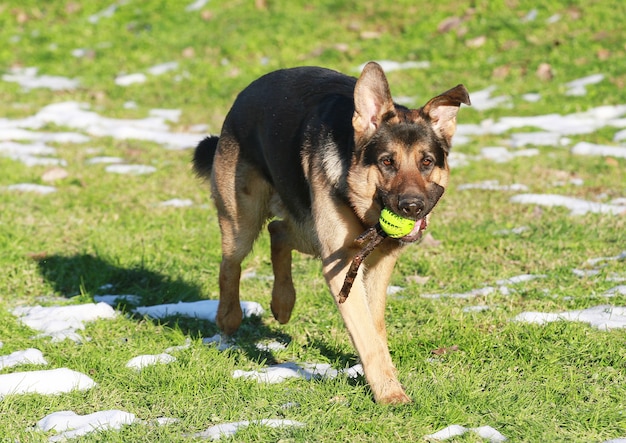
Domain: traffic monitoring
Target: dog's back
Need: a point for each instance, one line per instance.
(279, 115)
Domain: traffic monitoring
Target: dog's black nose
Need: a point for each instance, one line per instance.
(411, 206)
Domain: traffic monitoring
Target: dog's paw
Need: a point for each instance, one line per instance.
(394, 398)
(391, 393)
(281, 315)
(281, 309)
(229, 320)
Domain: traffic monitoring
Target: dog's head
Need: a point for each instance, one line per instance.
(400, 155)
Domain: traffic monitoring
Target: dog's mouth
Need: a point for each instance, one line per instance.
(421, 223)
(416, 232)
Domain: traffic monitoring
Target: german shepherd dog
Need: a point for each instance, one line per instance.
(324, 153)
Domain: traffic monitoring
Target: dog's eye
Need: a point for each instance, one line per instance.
(387, 161)
(427, 161)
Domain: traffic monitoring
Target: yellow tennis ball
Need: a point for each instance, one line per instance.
(394, 225)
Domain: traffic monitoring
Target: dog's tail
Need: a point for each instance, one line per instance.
(203, 156)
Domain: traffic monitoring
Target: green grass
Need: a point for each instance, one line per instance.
(557, 382)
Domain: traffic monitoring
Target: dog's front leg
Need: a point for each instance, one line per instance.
(365, 323)
(379, 268)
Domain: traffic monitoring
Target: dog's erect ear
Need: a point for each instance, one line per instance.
(372, 101)
(442, 110)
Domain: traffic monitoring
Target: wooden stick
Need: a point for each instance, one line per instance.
(371, 238)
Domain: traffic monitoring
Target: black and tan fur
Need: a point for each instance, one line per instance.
(324, 153)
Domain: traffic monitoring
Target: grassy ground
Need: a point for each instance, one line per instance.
(558, 382)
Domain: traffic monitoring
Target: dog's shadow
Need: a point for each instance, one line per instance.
(86, 275)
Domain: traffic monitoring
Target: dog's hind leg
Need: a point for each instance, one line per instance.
(286, 236)
(283, 292)
(241, 196)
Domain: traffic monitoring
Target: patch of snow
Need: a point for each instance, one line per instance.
(13, 149)
(61, 322)
(531, 97)
(105, 13)
(130, 79)
(54, 381)
(553, 19)
(75, 115)
(520, 139)
(271, 346)
(30, 356)
(578, 87)
(40, 161)
(447, 433)
(596, 260)
(187, 345)
(177, 203)
(130, 169)
(458, 160)
(392, 289)
(166, 114)
(585, 272)
(162, 68)
(615, 277)
(522, 278)
(482, 100)
(619, 136)
(32, 187)
(486, 432)
(229, 429)
(31, 154)
(204, 309)
(577, 206)
(28, 79)
(105, 160)
(200, 127)
(531, 16)
(571, 124)
(617, 290)
(501, 154)
(68, 424)
(603, 317)
(307, 371)
(489, 433)
(502, 288)
(585, 148)
(142, 361)
(80, 52)
(572, 181)
(196, 6)
(493, 185)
